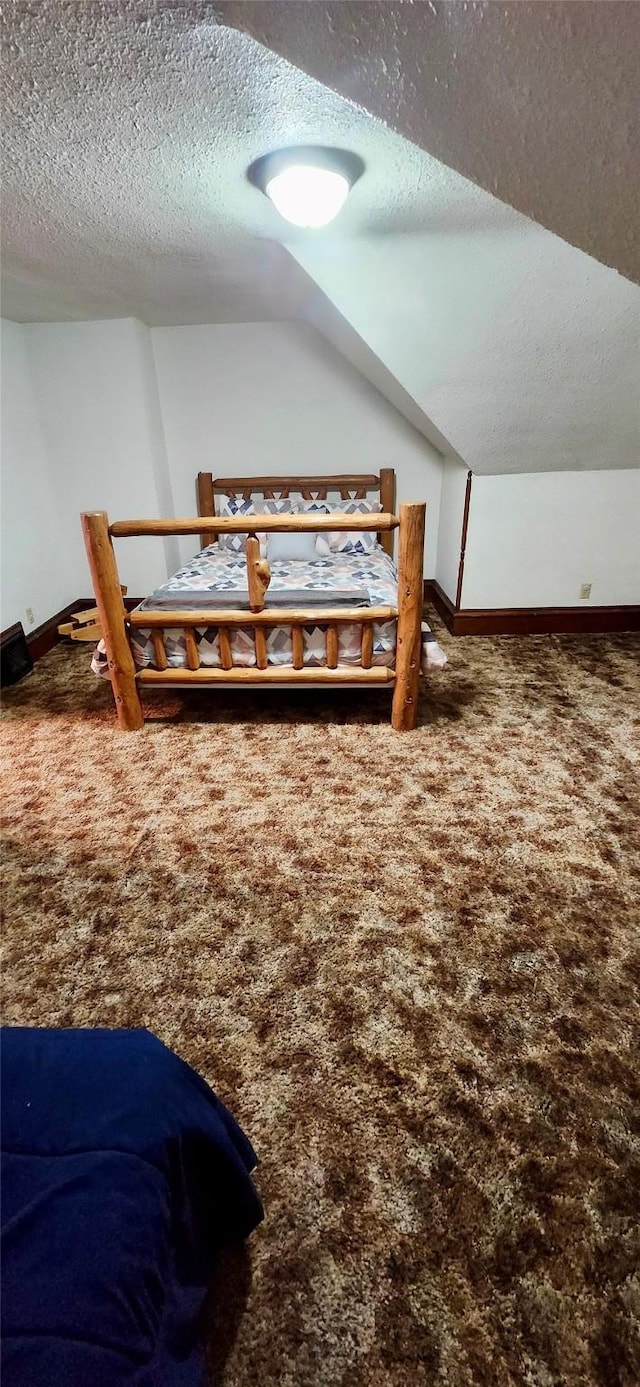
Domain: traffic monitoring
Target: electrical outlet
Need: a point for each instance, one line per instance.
(585, 590)
(29, 615)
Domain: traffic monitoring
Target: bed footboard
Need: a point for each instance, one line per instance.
(117, 623)
(258, 625)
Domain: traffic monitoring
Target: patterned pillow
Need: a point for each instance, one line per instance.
(238, 505)
(345, 541)
(232, 506)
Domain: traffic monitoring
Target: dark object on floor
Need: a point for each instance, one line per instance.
(15, 660)
(122, 1177)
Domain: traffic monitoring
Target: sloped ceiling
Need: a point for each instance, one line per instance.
(534, 100)
(524, 352)
(128, 132)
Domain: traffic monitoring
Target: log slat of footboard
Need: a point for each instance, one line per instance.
(332, 647)
(269, 616)
(191, 644)
(249, 524)
(275, 674)
(159, 652)
(261, 648)
(226, 658)
(297, 641)
(366, 656)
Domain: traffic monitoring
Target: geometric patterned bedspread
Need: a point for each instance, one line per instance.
(218, 569)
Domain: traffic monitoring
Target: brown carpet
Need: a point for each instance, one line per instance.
(405, 962)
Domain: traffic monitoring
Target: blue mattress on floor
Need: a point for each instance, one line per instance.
(122, 1177)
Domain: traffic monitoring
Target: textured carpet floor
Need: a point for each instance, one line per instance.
(405, 962)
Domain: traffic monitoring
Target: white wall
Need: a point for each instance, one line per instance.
(37, 565)
(251, 398)
(106, 415)
(454, 486)
(95, 402)
(534, 539)
(98, 418)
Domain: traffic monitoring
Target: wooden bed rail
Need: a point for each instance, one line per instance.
(226, 619)
(252, 524)
(250, 486)
(268, 616)
(274, 674)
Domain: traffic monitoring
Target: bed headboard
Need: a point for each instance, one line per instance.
(351, 486)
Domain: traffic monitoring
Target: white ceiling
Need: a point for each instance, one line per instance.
(126, 145)
(127, 136)
(535, 100)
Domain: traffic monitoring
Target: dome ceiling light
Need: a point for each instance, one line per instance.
(308, 184)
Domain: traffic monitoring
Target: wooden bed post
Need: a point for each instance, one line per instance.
(206, 504)
(106, 586)
(410, 601)
(388, 504)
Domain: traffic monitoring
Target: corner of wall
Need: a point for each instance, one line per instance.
(453, 508)
(157, 440)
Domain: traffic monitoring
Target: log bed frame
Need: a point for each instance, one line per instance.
(127, 680)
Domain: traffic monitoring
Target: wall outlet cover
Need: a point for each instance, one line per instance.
(585, 590)
(29, 615)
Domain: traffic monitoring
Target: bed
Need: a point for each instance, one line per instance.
(295, 583)
(123, 1176)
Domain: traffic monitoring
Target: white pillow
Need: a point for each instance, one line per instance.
(238, 505)
(288, 546)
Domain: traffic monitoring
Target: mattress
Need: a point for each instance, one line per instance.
(218, 571)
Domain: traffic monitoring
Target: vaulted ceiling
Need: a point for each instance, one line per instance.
(534, 100)
(128, 132)
(126, 145)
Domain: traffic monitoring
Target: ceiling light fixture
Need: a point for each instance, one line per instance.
(309, 184)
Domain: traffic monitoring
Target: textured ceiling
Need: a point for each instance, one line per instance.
(535, 100)
(128, 130)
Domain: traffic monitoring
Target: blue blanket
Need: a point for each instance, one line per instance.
(122, 1177)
